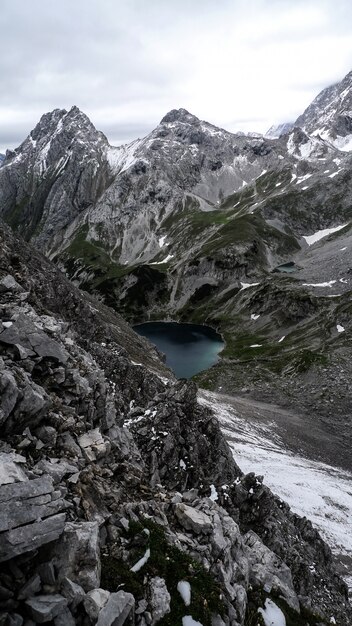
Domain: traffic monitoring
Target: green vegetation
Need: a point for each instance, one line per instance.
(169, 563)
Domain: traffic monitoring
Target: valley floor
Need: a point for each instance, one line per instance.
(275, 443)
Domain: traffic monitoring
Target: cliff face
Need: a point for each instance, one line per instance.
(116, 485)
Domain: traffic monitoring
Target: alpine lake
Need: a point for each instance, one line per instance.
(188, 348)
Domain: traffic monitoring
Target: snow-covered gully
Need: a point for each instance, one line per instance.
(318, 491)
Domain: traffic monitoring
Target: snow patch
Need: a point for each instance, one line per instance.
(162, 241)
(169, 256)
(340, 329)
(122, 158)
(184, 589)
(272, 614)
(213, 493)
(313, 489)
(256, 345)
(310, 239)
(188, 620)
(282, 338)
(254, 316)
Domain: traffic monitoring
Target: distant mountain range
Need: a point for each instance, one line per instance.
(199, 224)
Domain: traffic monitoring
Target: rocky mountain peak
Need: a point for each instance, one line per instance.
(330, 114)
(179, 115)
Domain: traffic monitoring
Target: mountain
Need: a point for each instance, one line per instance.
(277, 130)
(248, 234)
(121, 500)
(2, 157)
(330, 116)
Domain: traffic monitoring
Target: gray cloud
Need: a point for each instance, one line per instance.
(127, 62)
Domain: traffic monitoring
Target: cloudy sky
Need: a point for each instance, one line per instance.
(240, 64)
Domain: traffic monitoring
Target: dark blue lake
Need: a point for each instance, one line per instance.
(189, 348)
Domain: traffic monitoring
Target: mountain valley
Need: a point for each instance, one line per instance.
(125, 476)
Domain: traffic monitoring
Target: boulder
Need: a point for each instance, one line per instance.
(93, 445)
(25, 334)
(118, 609)
(95, 601)
(267, 570)
(10, 468)
(159, 599)
(77, 557)
(45, 608)
(193, 520)
(72, 592)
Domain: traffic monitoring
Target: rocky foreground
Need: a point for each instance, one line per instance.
(116, 485)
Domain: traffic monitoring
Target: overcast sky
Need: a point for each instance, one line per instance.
(239, 64)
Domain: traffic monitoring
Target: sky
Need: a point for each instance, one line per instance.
(239, 64)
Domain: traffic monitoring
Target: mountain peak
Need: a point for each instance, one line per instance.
(179, 115)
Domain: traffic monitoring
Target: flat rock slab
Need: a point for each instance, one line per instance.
(45, 608)
(30, 516)
(193, 520)
(25, 334)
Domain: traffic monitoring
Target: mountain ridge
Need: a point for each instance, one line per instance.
(174, 225)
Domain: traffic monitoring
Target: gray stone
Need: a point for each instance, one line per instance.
(57, 469)
(14, 619)
(10, 468)
(95, 601)
(46, 572)
(68, 444)
(72, 592)
(93, 445)
(31, 587)
(31, 536)
(45, 608)
(47, 434)
(192, 519)
(8, 283)
(25, 334)
(118, 609)
(65, 618)
(27, 501)
(159, 599)
(8, 394)
(267, 569)
(78, 555)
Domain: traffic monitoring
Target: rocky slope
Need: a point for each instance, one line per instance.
(117, 485)
(330, 114)
(194, 223)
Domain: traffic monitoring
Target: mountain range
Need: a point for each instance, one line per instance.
(122, 501)
(248, 234)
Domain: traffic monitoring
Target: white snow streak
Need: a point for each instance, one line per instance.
(247, 285)
(329, 284)
(137, 566)
(310, 239)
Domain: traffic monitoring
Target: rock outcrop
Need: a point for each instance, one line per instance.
(99, 520)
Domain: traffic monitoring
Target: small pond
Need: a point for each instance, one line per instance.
(189, 348)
